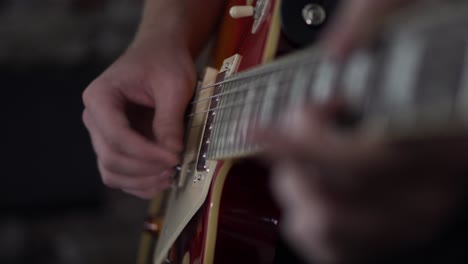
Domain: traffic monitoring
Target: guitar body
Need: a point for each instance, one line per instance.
(220, 209)
(238, 221)
(245, 221)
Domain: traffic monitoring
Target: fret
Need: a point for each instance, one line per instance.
(257, 107)
(393, 97)
(216, 133)
(462, 98)
(237, 128)
(327, 77)
(229, 67)
(234, 117)
(222, 126)
(281, 100)
(396, 83)
(402, 75)
(246, 117)
(442, 67)
(356, 79)
(228, 121)
(439, 78)
(268, 104)
(302, 80)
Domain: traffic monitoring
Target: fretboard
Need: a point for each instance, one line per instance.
(417, 79)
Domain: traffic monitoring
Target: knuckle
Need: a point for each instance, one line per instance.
(108, 180)
(110, 160)
(92, 93)
(85, 118)
(115, 141)
(88, 96)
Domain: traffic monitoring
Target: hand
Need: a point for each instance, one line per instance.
(348, 197)
(357, 22)
(135, 112)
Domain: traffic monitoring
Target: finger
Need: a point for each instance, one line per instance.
(118, 181)
(356, 23)
(308, 135)
(108, 113)
(314, 222)
(149, 193)
(291, 186)
(345, 162)
(116, 162)
(168, 123)
(86, 118)
(306, 214)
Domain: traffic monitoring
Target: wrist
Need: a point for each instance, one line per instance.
(163, 24)
(156, 49)
(154, 35)
(175, 21)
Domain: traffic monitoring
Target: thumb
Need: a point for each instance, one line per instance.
(168, 123)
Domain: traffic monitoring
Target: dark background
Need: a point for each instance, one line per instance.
(53, 207)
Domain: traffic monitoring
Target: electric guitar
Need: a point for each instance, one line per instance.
(412, 83)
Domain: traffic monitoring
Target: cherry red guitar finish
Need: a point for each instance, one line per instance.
(247, 224)
(248, 218)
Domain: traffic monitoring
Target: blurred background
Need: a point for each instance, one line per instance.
(54, 208)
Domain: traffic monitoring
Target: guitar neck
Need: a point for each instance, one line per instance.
(416, 82)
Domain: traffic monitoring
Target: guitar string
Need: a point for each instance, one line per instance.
(303, 61)
(298, 62)
(239, 104)
(244, 122)
(236, 90)
(267, 69)
(230, 92)
(219, 122)
(253, 74)
(263, 85)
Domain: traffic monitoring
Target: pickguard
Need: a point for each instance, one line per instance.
(191, 188)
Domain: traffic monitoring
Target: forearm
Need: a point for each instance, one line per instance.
(188, 22)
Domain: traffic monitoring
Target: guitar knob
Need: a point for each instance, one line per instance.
(241, 11)
(314, 15)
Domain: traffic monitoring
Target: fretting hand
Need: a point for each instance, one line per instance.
(357, 22)
(348, 197)
(351, 197)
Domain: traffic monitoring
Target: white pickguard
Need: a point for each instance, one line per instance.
(189, 194)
